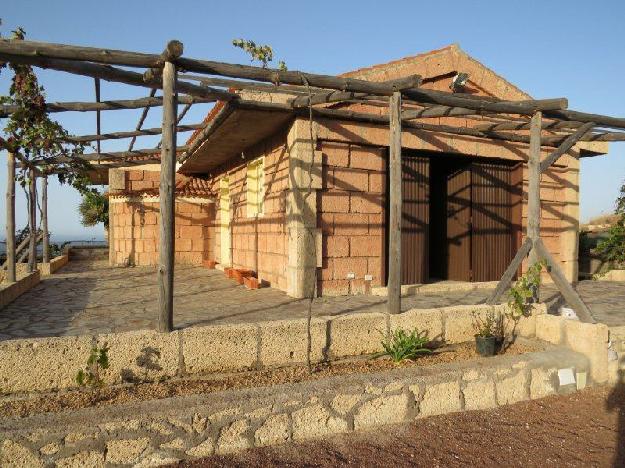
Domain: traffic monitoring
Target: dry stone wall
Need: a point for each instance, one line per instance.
(166, 431)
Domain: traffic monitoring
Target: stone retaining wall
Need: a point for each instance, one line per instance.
(158, 432)
(11, 291)
(46, 269)
(45, 364)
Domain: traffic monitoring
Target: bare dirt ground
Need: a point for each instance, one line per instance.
(585, 429)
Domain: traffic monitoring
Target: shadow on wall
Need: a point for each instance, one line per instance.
(616, 402)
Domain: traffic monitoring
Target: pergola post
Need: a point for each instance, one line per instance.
(32, 220)
(533, 191)
(395, 203)
(44, 219)
(10, 224)
(166, 192)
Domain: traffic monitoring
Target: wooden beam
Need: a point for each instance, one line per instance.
(384, 120)
(32, 220)
(97, 117)
(44, 219)
(533, 191)
(115, 75)
(395, 206)
(570, 295)
(142, 118)
(10, 221)
(323, 97)
(113, 155)
(52, 107)
(506, 278)
(599, 120)
(21, 248)
(136, 133)
(566, 145)
(166, 195)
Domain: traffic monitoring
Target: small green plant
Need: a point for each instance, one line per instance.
(258, 52)
(523, 290)
(402, 345)
(98, 360)
(488, 325)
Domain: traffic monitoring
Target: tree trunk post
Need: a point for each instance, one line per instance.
(533, 191)
(10, 226)
(32, 220)
(166, 191)
(44, 219)
(395, 201)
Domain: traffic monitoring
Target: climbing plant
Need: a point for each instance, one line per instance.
(612, 248)
(94, 209)
(32, 134)
(258, 52)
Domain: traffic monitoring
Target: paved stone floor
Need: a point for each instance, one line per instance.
(90, 297)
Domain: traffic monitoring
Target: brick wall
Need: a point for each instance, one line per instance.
(134, 224)
(135, 229)
(351, 216)
(258, 243)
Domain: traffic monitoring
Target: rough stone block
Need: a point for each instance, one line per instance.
(542, 383)
(42, 363)
(142, 355)
(479, 394)
(385, 409)
(592, 341)
(343, 404)
(459, 322)
(352, 335)
(203, 449)
(275, 430)
(125, 450)
(219, 348)
(234, 437)
(284, 342)
(92, 459)
(440, 398)
(316, 421)
(549, 328)
(512, 389)
(14, 455)
(420, 319)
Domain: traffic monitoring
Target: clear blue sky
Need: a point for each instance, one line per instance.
(549, 49)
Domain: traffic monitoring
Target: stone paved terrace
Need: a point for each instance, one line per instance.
(88, 297)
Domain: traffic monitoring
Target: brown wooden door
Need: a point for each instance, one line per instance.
(459, 223)
(415, 219)
(493, 234)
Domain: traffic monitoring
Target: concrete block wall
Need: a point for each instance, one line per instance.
(351, 216)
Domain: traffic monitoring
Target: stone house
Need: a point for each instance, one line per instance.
(303, 203)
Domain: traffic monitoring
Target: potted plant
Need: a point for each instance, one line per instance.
(488, 333)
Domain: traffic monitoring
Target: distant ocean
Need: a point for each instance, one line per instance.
(60, 240)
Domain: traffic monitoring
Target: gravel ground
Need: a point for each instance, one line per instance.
(585, 429)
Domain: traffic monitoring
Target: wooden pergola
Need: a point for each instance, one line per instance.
(548, 122)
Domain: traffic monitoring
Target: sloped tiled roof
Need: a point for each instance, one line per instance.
(186, 186)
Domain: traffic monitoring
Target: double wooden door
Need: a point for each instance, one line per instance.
(460, 218)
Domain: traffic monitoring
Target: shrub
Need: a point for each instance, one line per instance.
(98, 360)
(402, 345)
(489, 325)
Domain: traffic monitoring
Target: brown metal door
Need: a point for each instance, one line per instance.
(459, 224)
(493, 234)
(415, 219)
